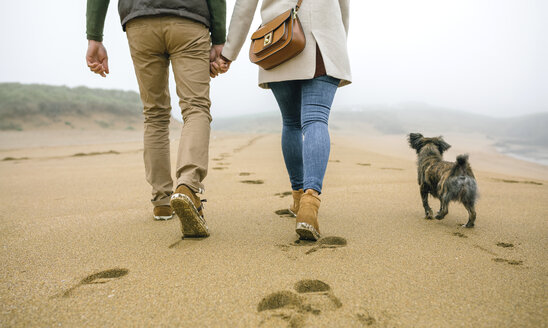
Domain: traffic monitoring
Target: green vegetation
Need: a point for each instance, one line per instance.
(19, 102)
(9, 125)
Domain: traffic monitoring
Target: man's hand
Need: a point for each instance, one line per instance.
(97, 58)
(214, 55)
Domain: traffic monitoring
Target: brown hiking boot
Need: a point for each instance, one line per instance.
(188, 208)
(163, 212)
(307, 217)
(294, 208)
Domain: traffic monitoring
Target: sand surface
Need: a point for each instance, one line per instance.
(79, 246)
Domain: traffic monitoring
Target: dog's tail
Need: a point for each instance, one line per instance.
(462, 160)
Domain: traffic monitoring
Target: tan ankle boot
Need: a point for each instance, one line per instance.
(307, 216)
(294, 208)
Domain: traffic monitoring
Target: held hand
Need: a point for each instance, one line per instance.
(223, 64)
(213, 55)
(97, 58)
(219, 66)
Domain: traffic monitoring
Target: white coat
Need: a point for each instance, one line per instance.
(324, 22)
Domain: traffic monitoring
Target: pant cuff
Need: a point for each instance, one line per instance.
(162, 201)
(196, 187)
(316, 185)
(297, 186)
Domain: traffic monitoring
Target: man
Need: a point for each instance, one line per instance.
(161, 32)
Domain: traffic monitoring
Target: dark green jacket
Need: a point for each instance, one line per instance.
(211, 13)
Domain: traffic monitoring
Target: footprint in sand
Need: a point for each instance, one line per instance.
(516, 181)
(220, 168)
(302, 242)
(284, 213)
(328, 242)
(249, 143)
(502, 260)
(334, 161)
(252, 181)
(497, 257)
(511, 262)
(392, 168)
(459, 234)
(283, 194)
(365, 318)
(110, 152)
(486, 250)
(290, 309)
(101, 277)
(363, 164)
(15, 159)
(245, 174)
(221, 157)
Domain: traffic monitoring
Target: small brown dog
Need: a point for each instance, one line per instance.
(446, 181)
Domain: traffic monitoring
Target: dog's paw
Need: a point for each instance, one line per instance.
(440, 216)
(428, 217)
(468, 225)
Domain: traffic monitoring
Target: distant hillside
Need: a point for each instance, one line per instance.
(36, 105)
(437, 121)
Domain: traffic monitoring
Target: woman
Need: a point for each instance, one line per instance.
(304, 88)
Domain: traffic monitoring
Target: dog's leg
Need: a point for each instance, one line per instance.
(427, 210)
(471, 215)
(444, 207)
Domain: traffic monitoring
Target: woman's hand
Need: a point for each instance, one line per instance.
(219, 66)
(223, 63)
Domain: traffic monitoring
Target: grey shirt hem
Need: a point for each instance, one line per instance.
(174, 12)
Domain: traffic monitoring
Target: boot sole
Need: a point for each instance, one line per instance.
(192, 223)
(162, 217)
(307, 231)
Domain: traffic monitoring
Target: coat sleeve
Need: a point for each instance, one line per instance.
(96, 13)
(242, 16)
(217, 13)
(345, 12)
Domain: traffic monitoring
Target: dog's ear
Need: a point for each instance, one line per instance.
(442, 145)
(415, 141)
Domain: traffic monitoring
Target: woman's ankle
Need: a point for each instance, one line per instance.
(312, 191)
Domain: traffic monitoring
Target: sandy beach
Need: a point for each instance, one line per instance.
(79, 246)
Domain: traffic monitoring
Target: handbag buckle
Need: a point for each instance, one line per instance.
(267, 39)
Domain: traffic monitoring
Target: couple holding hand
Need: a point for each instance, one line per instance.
(191, 36)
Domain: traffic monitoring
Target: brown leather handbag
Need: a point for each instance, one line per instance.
(278, 40)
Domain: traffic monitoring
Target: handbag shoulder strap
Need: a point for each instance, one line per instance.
(298, 5)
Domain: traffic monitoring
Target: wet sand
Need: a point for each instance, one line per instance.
(79, 246)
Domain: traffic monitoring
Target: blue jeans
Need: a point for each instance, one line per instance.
(305, 107)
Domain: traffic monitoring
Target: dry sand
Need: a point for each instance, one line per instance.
(79, 246)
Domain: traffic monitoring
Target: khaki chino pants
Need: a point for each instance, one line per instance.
(155, 42)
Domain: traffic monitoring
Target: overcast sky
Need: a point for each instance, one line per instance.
(482, 56)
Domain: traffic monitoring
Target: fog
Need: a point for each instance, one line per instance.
(482, 56)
